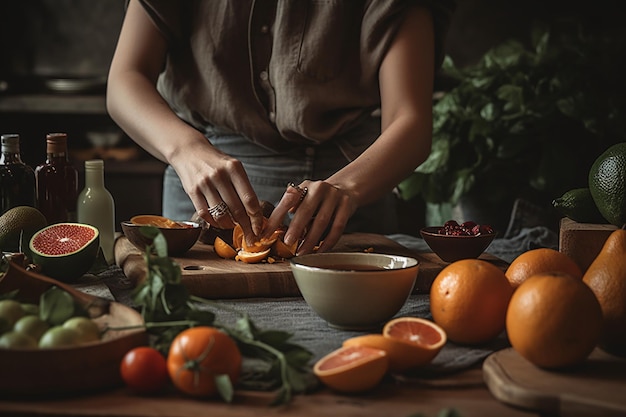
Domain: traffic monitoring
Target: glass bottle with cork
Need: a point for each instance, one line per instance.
(17, 180)
(57, 182)
(96, 207)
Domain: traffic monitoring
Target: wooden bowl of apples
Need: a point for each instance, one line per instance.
(65, 365)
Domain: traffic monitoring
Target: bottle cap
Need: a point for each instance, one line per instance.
(56, 142)
(10, 142)
(94, 164)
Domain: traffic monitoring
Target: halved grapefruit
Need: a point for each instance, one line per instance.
(352, 369)
(409, 341)
(65, 251)
(424, 337)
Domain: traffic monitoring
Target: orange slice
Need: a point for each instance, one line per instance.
(352, 369)
(252, 257)
(281, 249)
(154, 220)
(237, 237)
(223, 249)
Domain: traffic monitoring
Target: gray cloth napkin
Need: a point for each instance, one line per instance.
(309, 330)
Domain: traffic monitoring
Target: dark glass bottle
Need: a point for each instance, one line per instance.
(17, 180)
(57, 182)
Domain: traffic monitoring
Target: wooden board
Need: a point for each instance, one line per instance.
(207, 275)
(597, 388)
(583, 241)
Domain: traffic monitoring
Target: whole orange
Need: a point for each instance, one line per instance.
(199, 354)
(554, 320)
(468, 299)
(540, 260)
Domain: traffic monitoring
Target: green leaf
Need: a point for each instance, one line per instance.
(224, 387)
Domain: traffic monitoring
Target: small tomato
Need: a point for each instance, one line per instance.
(144, 370)
(204, 361)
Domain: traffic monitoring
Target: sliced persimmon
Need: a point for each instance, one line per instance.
(252, 257)
(223, 249)
(352, 369)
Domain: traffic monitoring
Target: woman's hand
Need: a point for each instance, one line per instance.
(219, 189)
(320, 213)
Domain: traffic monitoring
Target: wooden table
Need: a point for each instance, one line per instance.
(464, 393)
(511, 380)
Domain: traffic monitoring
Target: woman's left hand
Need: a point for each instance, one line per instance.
(320, 211)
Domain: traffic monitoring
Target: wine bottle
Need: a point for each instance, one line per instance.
(17, 180)
(57, 181)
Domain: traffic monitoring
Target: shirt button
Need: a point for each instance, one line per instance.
(265, 29)
(264, 75)
(272, 116)
(310, 151)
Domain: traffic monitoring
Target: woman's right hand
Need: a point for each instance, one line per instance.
(214, 180)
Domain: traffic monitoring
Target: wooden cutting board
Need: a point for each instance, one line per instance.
(597, 388)
(207, 275)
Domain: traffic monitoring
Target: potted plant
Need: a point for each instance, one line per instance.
(524, 122)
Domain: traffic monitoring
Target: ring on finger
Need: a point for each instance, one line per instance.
(302, 191)
(218, 210)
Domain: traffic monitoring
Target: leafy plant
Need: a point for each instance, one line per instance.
(526, 122)
(271, 361)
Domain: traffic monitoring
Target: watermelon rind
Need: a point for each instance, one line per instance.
(65, 251)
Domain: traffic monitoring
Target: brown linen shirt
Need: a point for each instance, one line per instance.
(279, 71)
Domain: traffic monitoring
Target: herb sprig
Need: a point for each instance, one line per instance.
(271, 361)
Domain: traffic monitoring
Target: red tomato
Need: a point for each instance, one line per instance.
(144, 370)
(199, 354)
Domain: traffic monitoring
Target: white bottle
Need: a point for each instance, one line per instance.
(96, 207)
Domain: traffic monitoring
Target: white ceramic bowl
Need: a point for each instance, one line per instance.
(355, 291)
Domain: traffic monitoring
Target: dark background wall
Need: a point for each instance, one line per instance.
(73, 38)
(77, 37)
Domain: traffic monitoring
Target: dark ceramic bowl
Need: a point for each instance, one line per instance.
(454, 248)
(179, 239)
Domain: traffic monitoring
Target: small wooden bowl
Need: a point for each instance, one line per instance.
(72, 370)
(179, 239)
(454, 248)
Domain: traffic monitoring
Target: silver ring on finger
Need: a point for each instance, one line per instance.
(218, 210)
(302, 191)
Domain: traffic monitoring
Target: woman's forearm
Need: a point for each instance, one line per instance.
(143, 114)
(406, 84)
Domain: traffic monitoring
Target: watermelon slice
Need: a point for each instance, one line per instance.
(65, 251)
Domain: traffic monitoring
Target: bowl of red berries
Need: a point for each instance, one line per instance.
(454, 241)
